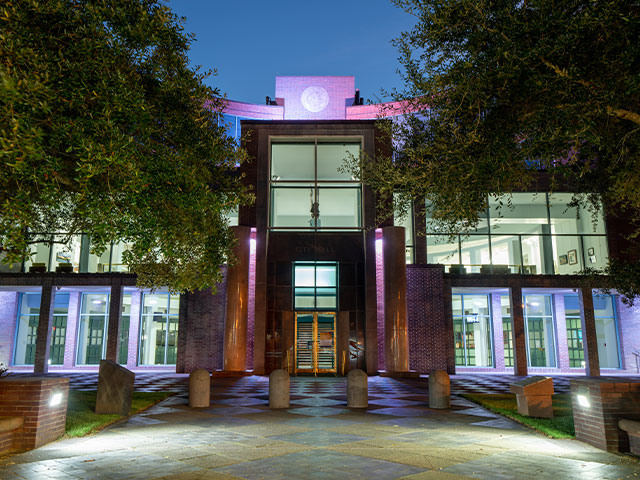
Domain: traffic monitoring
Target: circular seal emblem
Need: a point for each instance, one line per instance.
(314, 99)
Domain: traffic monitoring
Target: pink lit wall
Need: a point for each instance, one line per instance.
(315, 98)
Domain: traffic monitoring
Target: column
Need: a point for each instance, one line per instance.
(45, 322)
(236, 314)
(589, 336)
(561, 329)
(113, 328)
(518, 332)
(371, 306)
(396, 341)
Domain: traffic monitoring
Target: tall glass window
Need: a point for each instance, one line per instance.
(472, 330)
(574, 331)
(125, 323)
(530, 233)
(308, 190)
(28, 316)
(159, 329)
(92, 329)
(27, 332)
(316, 286)
(538, 316)
(606, 331)
(507, 330)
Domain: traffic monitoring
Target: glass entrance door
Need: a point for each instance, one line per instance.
(315, 342)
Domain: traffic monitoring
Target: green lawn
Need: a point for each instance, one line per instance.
(560, 426)
(81, 419)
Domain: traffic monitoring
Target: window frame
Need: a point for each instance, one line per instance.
(315, 184)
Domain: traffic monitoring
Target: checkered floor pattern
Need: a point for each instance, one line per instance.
(173, 382)
(318, 438)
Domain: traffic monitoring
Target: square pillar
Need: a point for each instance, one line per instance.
(45, 322)
(589, 336)
(113, 329)
(518, 332)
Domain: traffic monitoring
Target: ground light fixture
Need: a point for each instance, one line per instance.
(56, 399)
(583, 401)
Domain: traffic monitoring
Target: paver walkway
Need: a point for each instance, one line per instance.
(398, 436)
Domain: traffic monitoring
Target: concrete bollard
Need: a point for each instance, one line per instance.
(357, 389)
(199, 389)
(279, 389)
(439, 389)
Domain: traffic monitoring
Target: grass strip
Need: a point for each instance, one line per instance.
(560, 426)
(82, 420)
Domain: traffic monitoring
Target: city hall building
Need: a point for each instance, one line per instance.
(320, 288)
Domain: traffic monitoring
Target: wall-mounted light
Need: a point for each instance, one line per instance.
(583, 401)
(55, 400)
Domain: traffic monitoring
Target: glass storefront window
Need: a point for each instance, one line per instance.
(474, 251)
(27, 332)
(125, 323)
(291, 206)
(606, 331)
(538, 316)
(574, 331)
(472, 330)
(159, 329)
(315, 286)
(331, 156)
(92, 328)
(507, 330)
(28, 316)
(518, 213)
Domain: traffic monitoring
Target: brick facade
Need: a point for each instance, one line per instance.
(201, 329)
(430, 327)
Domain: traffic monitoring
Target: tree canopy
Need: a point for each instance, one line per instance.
(504, 90)
(104, 131)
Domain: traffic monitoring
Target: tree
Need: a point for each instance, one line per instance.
(104, 131)
(504, 90)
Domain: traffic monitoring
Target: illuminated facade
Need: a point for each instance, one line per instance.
(319, 287)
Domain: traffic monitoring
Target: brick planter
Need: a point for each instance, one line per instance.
(609, 400)
(30, 398)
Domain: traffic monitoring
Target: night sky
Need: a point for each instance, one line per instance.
(249, 42)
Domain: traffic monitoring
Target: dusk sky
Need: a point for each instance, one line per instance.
(250, 42)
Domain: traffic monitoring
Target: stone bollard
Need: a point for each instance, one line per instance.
(439, 389)
(357, 389)
(279, 389)
(199, 389)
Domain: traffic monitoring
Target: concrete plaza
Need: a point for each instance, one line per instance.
(239, 437)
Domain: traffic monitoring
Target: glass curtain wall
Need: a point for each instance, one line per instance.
(539, 323)
(92, 328)
(27, 331)
(472, 330)
(606, 331)
(531, 233)
(159, 329)
(308, 190)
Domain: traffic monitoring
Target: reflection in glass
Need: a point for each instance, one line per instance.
(574, 331)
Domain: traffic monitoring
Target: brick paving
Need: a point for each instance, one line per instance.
(239, 437)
